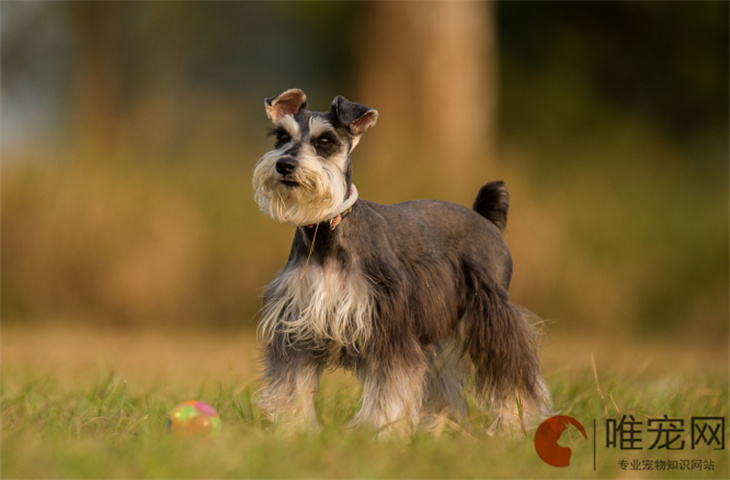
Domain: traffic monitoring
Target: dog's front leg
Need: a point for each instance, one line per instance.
(392, 395)
(293, 381)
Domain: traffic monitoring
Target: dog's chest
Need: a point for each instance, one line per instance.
(318, 305)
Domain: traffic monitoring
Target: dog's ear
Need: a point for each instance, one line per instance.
(358, 118)
(287, 103)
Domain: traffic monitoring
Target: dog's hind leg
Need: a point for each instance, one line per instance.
(446, 379)
(502, 344)
(293, 382)
(516, 413)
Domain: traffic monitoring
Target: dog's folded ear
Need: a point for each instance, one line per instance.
(287, 103)
(358, 118)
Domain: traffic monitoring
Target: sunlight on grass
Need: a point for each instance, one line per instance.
(92, 404)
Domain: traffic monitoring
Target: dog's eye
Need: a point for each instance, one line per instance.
(324, 142)
(282, 140)
(281, 136)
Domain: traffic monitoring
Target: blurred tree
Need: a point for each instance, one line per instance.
(430, 68)
(98, 74)
(569, 66)
(595, 95)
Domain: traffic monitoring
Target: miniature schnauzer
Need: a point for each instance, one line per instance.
(412, 297)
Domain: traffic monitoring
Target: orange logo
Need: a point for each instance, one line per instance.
(547, 436)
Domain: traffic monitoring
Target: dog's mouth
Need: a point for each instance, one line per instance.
(289, 183)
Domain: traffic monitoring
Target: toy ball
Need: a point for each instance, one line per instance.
(193, 418)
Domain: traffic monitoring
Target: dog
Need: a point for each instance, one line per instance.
(412, 297)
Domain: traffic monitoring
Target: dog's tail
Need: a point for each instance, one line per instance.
(492, 203)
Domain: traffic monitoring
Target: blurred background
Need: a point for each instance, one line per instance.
(130, 131)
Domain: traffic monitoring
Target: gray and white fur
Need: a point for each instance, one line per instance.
(411, 297)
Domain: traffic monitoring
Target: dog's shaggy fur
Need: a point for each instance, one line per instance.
(412, 297)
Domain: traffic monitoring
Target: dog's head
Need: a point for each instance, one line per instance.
(307, 175)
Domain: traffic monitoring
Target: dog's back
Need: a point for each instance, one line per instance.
(492, 203)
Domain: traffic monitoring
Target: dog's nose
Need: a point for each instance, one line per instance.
(286, 165)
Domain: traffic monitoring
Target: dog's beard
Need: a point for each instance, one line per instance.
(319, 190)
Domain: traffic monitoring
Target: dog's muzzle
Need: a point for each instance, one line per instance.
(286, 166)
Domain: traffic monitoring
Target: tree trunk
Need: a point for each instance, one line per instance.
(97, 77)
(430, 69)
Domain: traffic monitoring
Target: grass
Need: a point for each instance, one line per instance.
(79, 403)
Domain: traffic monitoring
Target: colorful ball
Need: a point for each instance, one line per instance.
(192, 418)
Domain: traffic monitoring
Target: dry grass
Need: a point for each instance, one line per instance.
(65, 349)
(628, 241)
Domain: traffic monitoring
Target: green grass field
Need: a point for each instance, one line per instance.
(93, 404)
